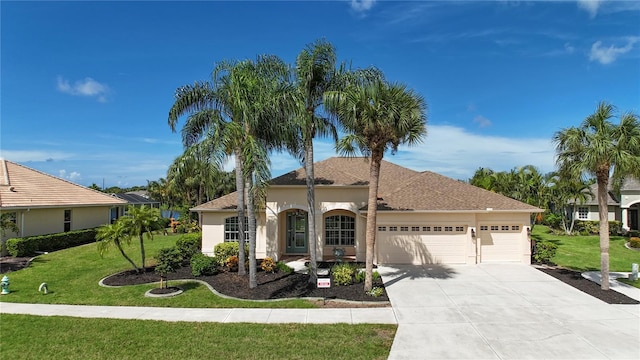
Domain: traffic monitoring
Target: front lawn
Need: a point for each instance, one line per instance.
(582, 253)
(36, 337)
(72, 276)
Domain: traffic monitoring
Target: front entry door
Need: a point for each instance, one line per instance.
(633, 216)
(296, 232)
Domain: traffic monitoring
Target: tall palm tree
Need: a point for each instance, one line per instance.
(377, 116)
(115, 235)
(607, 151)
(315, 73)
(238, 114)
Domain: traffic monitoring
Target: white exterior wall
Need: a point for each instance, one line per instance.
(614, 213)
(212, 224)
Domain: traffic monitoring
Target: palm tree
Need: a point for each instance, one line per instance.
(315, 73)
(236, 113)
(114, 235)
(567, 192)
(604, 150)
(140, 221)
(377, 116)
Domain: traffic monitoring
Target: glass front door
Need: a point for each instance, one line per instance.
(296, 232)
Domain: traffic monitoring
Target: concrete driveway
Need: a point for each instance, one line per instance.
(503, 311)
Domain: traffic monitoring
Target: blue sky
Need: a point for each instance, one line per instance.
(86, 86)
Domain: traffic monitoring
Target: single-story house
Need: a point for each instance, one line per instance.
(133, 198)
(42, 204)
(625, 208)
(423, 217)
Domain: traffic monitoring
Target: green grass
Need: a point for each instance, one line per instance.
(629, 282)
(35, 337)
(583, 252)
(72, 276)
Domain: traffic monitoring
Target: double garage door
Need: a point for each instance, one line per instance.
(445, 246)
(497, 243)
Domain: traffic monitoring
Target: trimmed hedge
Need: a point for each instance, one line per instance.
(592, 227)
(27, 246)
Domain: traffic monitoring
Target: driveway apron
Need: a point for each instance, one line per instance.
(503, 311)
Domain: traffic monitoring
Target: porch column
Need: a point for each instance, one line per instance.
(625, 219)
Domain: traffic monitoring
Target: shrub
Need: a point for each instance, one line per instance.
(202, 264)
(52, 242)
(343, 274)
(634, 242)
(615, 227)
(376, 291)
(545, 251)
(376, 276)
(232, 263)
(268, 265)
(169, 260)
(360, 275)
(586, 227)
(224, 250)
(189, 245)
(552, 220)
(284, 267)
(633, 233)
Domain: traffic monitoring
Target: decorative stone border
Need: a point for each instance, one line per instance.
(628, 246)
(149, 294)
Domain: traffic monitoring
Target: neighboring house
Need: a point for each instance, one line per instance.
(626, 209)
(134, 198)
(422, 217)
(43, 204)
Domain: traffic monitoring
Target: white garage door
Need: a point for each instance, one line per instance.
(420, 247)
(500, 243)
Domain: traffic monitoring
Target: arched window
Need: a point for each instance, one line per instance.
(231, 228)
(340, 230)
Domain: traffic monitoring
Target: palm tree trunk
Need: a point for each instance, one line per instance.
(603, 210)
(372, 212)
(240, 190)
(142, 252)
(251, 213)
(311, 203)
(119, 246)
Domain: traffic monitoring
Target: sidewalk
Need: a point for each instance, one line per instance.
(268, 316)
(630, 291)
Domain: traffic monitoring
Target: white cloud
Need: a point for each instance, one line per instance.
(362, 5)
(451, 151)
(591, 6)
(482, 121)
(569, 48)
(607, 55)
(86, 87)
(73, 176)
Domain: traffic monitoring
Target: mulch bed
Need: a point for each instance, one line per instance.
(271, 286)
(280, 285)
(575, 279)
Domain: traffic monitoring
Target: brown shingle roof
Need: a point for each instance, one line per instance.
(23, 187)
(399, 188)
(433, 192)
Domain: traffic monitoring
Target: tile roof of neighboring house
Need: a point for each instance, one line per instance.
(135, 199)
(22, 187)
(399, 188)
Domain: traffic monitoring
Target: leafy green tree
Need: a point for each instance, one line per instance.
(377, 116)
(600, 148)
(568, 192)
(115, 234)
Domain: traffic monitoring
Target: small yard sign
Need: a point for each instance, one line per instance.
(324, 282)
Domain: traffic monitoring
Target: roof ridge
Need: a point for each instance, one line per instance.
(5, 178)
(58, 178)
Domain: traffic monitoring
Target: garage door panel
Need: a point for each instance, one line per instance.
(500, 246)
(421, 249)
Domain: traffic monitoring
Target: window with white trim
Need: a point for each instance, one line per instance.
(415, 228)
(393, 228)
(448, 228)
(459, 228)
(437, 228)
(382, 228)
(495, 227)
(484, 227)
(426, 228)
(515, 227)
(340, 230)
(505, 227)
(404, 228)
(231, 228)
(583, 213)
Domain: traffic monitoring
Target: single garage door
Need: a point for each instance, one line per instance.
(500, 243)
(415, 245)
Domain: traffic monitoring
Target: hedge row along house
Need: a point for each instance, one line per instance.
(41, 204)
(423, 217)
